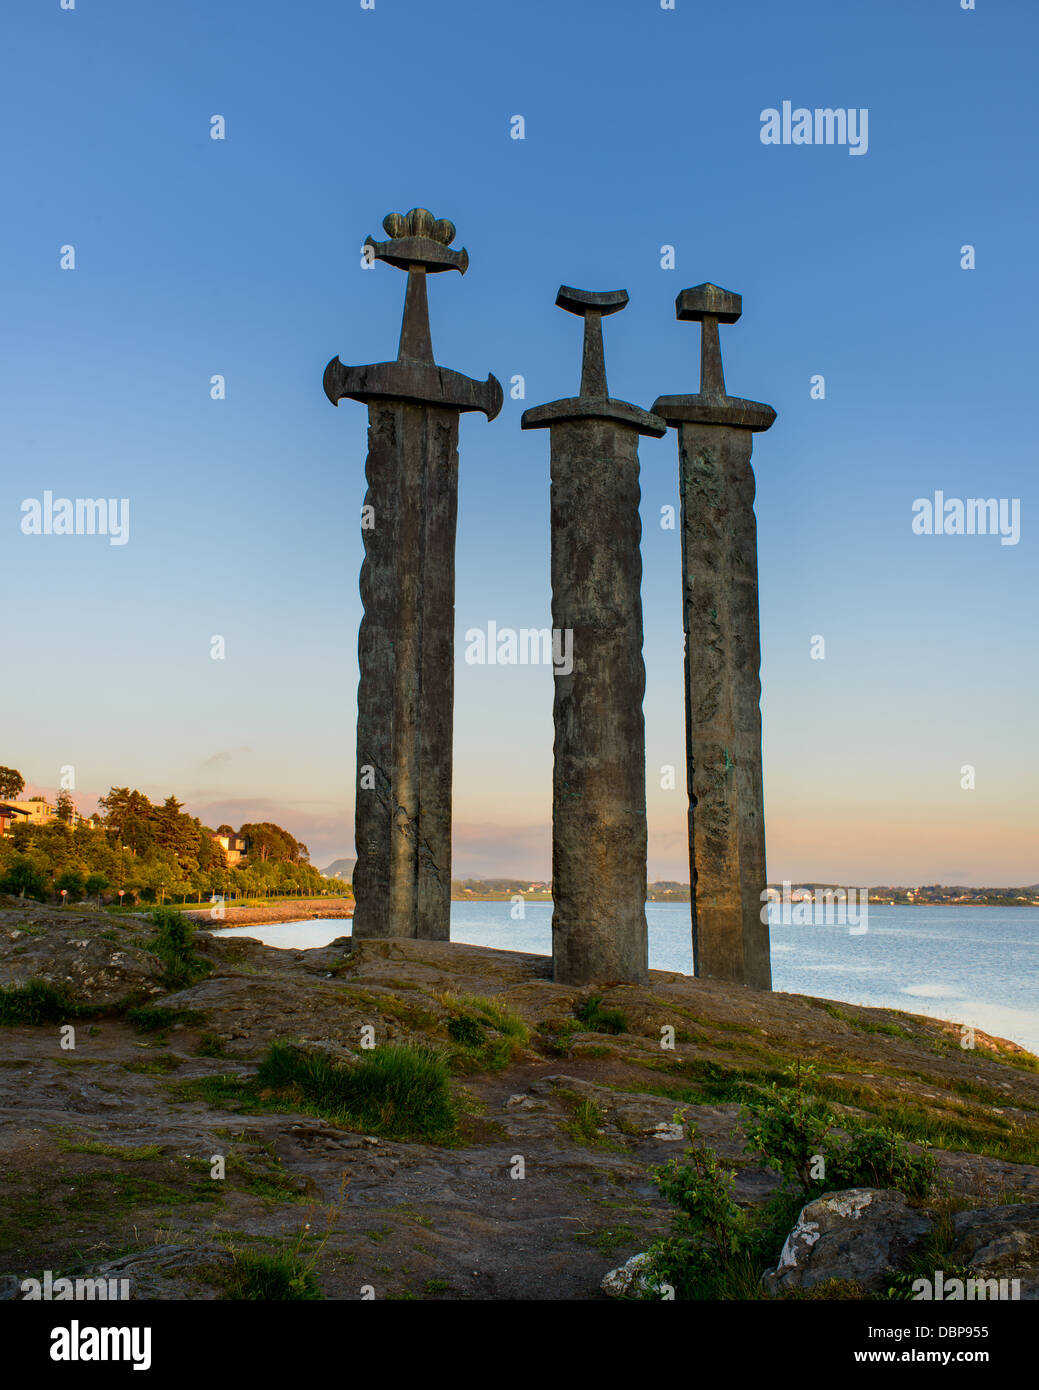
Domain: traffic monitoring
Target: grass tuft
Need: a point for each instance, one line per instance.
(283, 1276)
(38, 1001)
(401, 1091)
(599, 1020)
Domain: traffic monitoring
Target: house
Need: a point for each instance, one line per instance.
(234, 847)
(11, 813)
(38, 809)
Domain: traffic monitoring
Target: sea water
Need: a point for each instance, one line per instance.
(977, 966)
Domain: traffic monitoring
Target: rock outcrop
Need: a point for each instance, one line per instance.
(857, 1236)
(107, 1148)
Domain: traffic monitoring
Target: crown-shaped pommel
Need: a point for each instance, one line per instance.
(419, 239)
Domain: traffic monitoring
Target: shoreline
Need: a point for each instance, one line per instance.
(294, 910)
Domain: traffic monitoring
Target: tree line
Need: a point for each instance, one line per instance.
(152, 852)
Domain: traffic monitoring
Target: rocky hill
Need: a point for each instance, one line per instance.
(109, 1148)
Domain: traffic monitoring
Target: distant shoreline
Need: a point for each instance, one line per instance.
(674, 898)
(298, 910)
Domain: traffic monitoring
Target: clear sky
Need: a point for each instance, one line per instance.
(240, 257)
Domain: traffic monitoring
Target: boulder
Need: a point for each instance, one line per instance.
(96, 969)
(631, 1279)
(856, 1235)
(1000, 1243)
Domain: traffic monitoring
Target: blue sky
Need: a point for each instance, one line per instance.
(241, 257)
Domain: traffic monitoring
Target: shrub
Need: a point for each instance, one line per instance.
(172, 943)
(877, 1157)
(787, 1127)
(717, 1250)
(466, 1031)
(96, 885)
(710, 1245)
(790, 1130)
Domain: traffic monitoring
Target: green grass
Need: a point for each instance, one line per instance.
(37, 1001)
(596, 1019)
(945, 1123)
(153, 1018)
(279, 1277)
(865, 1025)
(609, 1239)
(160, 1065)
(487, 1034)
(707, 1082)
(389, 1005)
(585, 1122)
(507, 1023)
(268, 1181)
(956, 1126)
(129, 1155)
(401, 1092)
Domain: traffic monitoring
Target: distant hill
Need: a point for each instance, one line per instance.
(343, 869)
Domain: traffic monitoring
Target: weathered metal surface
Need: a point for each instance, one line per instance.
(722, 657)
(405, 696)
(599, 775)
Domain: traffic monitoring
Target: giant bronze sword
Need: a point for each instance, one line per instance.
(722, 656)
(405, 697)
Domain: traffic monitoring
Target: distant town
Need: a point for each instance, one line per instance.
(668, 890)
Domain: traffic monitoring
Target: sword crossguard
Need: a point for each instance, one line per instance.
(594, 402)
(420, 244)
(709, 305)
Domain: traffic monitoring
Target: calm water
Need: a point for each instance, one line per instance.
(978, 966)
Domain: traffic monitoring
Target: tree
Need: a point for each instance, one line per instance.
(72, 882)
(12, 783)
(174, 831)
(23, 877)
(22, 835)
(129, 814)
(269, 841)
(66, 808)
(96, 885)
